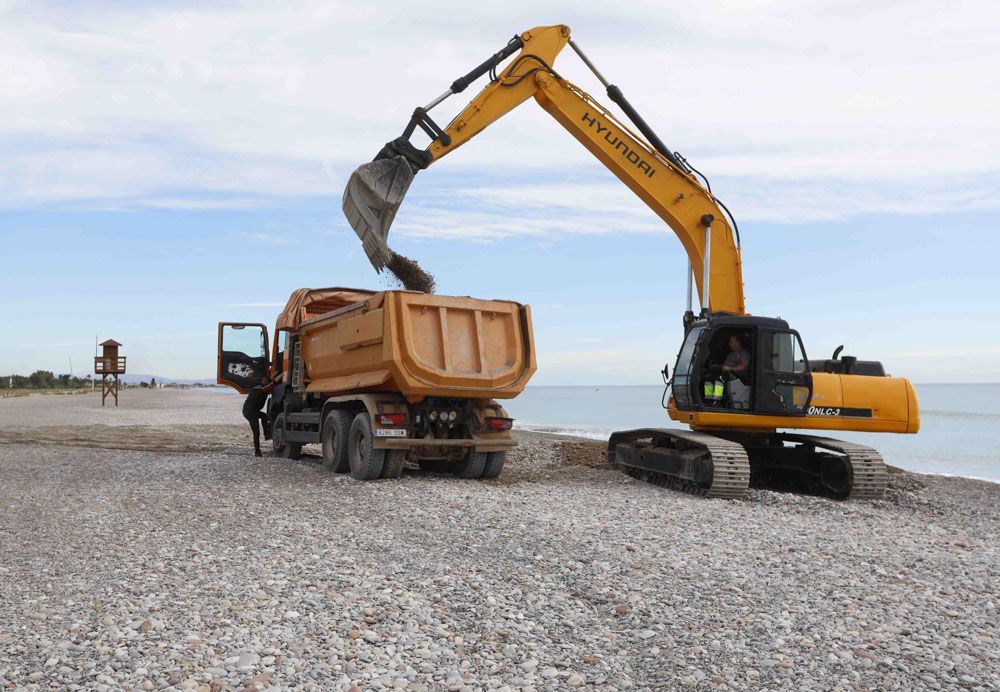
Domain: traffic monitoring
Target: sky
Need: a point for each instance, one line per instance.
(167, 166)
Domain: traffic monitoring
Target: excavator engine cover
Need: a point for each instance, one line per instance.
(373, 195)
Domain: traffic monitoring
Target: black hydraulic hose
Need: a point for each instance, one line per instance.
(694, 170)
(736, 228)
(616, 95)
(514, 45)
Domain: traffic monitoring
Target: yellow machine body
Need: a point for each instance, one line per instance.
(890, 405)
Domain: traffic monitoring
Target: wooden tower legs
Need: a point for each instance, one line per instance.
(109, 387)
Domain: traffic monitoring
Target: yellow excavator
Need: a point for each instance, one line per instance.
(739, 380)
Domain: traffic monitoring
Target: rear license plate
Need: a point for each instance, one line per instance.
(390, 432)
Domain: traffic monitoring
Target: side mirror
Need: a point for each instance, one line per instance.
(666, 374)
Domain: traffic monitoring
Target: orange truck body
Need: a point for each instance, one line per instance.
(417, 344)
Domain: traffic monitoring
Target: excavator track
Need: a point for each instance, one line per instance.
(692, 462)
(865, 469)
(711, 466)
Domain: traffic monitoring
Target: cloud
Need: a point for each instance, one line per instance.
(543, 208)
(249, 104)
(268, 238)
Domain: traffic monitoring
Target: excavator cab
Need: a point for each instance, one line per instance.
(776, 382)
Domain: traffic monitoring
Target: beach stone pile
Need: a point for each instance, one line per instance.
(210, 570)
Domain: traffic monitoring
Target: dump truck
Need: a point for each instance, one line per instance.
(380, 379)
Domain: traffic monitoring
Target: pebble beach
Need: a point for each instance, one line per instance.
(144, 547)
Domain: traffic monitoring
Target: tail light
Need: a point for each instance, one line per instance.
(499, 423)
(391, 419)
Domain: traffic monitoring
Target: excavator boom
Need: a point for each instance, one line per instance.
(647, 167)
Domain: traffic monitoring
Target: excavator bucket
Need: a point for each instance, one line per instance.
(373, 195)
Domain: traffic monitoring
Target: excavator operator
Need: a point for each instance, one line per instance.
(736, 371)
(738, 359)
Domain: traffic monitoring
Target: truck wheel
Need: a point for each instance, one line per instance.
(494, 464)
(335, 433)
(279, 443)
(366, 462)
(471, 466)
(394, 460)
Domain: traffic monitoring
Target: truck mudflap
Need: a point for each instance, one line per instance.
(479, 444)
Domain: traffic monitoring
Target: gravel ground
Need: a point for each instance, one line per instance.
(183, 561)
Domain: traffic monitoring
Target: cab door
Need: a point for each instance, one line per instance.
(242, 355)
(685, 383)
(784, 383)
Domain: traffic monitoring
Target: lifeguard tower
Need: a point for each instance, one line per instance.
(109, 365)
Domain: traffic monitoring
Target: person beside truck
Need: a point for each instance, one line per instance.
(252, 411)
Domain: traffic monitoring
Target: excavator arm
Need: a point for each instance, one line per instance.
(659, 177)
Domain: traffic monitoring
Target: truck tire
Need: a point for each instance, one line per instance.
(471, 466)
(334, 434)
(494, 464)
(366, 462)
(281, 447)
(394, 460)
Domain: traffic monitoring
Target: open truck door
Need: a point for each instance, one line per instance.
(243, 355)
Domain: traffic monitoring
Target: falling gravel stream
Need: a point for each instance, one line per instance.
(410, 274)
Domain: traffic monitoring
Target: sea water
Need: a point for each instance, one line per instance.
(959, 423)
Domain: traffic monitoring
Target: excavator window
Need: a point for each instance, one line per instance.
(728, 389)
(786, 353)
(720, 349)
(684, 378)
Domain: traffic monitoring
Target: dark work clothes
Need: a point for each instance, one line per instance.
(255, 427)
(735, 358)
(256, 398)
